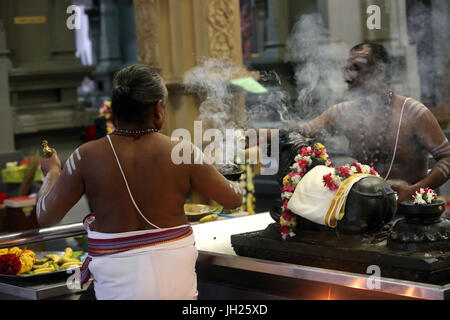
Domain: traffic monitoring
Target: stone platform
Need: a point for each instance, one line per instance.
(345, 253)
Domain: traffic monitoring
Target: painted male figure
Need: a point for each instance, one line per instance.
(371, 122)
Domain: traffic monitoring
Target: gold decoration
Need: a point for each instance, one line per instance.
(220, 26)
(46, 150)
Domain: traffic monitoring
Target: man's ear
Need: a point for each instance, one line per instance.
(159, 111)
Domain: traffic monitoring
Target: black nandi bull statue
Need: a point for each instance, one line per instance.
(370, 205)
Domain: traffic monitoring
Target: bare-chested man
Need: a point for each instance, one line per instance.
(370, 121)
(140, 241)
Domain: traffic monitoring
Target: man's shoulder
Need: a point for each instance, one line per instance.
(413, 109)
(91, 147)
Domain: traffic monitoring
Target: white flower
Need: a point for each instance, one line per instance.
(286, 195)
(423, 196)
(336, 179)
(365, 169)
(418, 199)
(296, 179)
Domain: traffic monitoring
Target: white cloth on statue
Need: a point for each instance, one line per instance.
(165, 271)
(315, 202)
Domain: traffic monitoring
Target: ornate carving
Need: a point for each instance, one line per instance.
(147, 30)
(220, 28)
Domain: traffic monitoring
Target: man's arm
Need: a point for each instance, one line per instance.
(318, 127)
(432, 138)
(322, 125)
(205, 178)
(61, 190)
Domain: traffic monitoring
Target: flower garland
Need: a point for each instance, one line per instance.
(424, 196)
(340, 174)
(303, 162)
(16, 261)
(10, 264)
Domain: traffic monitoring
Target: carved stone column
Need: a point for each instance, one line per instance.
(147, 30)
(175, 35)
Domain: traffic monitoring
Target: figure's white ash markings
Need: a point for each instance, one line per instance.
(236, 187)
(70, 163)
(71, 167)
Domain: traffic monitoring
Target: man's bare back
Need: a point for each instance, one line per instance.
(158, 186)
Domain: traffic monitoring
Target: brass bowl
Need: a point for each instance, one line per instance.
(195, 212)
(231, 172)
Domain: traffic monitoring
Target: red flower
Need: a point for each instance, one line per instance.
(373, 171)
(344, 172)
(10, 264)
(284, 230)
(357, 165)
(303, 164)
(285, 203)
(304, 152)
(328, 182)
(287, 216)
(287, 189)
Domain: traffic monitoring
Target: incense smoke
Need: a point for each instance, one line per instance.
(318, 67)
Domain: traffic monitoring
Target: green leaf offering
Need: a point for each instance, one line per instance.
(76, 254)
(219, 209)
(249, 84)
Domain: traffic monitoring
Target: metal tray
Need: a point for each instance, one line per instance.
(43, 276)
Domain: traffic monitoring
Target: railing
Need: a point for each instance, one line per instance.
(39, 235)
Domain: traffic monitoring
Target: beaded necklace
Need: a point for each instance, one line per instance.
(371, 158)
(136, 134)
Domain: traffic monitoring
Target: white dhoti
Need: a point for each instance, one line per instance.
(161, 265)
(148, 264)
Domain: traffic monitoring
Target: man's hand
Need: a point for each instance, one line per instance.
(51, 164)
(259, 138)
(404, 193)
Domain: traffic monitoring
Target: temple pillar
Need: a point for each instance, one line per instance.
(109, 46)
(175, 35)
(6, 119)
